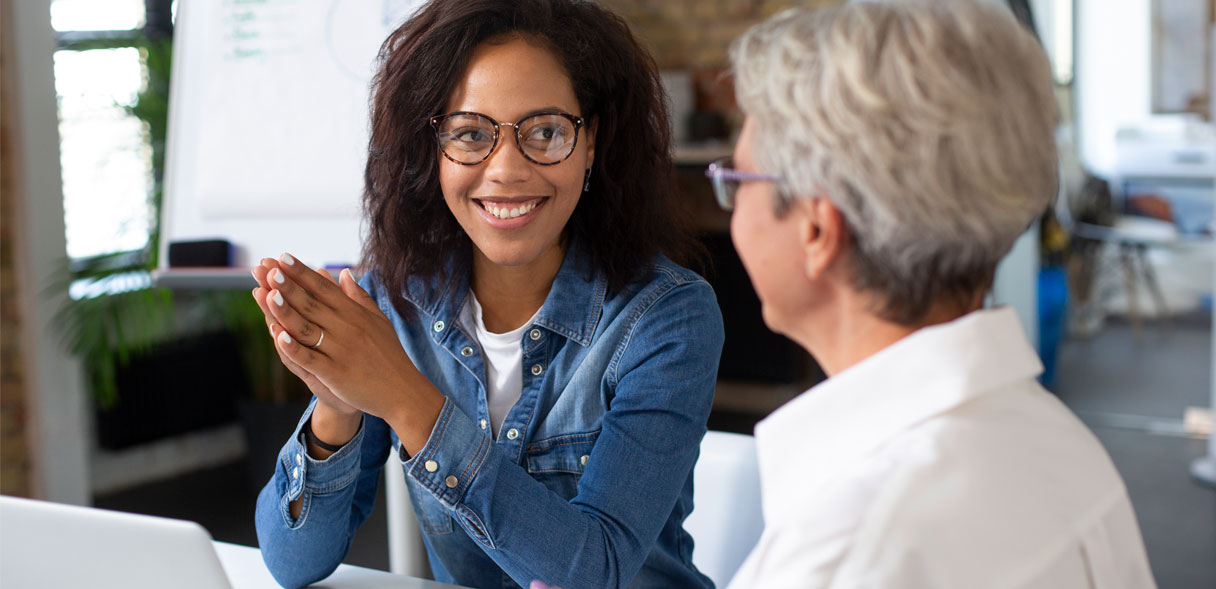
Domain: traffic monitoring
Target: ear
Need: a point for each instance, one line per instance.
(589, 129)
(823, 234)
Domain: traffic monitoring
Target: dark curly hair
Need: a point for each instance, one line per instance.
(631, 212)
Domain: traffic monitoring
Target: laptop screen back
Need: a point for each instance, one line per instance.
(46, 544)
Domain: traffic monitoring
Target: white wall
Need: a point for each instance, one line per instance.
(59, 431)
(1113, 82)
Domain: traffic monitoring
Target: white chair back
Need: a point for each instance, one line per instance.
(406, 552)
(726, 520)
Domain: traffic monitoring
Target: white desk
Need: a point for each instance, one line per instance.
(247, 571)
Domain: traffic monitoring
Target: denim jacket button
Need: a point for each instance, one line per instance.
(466, 351)
(299, 459)
(534, 334)
(483, 423)
(512, 434)
(583, 460)
(431, 466)
(438, 326)
(537, 369)
(451, 481)
(295, 472)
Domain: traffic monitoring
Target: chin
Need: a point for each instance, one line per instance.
(511, 255)
(770, 319)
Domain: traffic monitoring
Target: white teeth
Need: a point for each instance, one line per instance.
(505, 213)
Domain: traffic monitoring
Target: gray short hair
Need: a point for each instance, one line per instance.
(929, 124)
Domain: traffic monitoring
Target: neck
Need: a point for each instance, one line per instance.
(845, 332)
(510, 295)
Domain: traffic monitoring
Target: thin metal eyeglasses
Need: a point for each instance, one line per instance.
(544, 138)
(726, 181)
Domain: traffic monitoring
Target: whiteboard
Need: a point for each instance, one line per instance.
(268, 124)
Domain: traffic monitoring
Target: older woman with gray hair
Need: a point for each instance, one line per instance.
(891, 155)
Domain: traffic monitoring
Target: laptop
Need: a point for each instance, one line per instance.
(45, 544)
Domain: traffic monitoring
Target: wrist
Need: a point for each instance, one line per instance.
(334, 428)
(314, 442)
(336, 409)
(414, 423)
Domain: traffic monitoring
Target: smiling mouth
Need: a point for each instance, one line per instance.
(504, 209)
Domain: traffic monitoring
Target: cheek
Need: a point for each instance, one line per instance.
(768, 248)
(566, 181)
(455, 181)
(569, 175)
(747, 236)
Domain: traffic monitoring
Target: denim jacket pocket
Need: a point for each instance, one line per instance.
(433, 517)
(559, 461)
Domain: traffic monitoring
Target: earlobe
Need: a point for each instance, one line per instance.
(821, 231)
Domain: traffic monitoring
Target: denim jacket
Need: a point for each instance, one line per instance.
(590, 479)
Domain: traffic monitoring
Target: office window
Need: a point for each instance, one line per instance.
(105, 154)
(97, 15)
(1053, 22)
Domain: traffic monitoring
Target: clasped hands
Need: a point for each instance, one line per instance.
(334, 337)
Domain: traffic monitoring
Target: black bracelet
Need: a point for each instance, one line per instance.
(311, 437)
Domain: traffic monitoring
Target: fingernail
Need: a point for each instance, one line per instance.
(253, 274)
(346, 271)
(285, 337)
(278, 298)
(287, 259)
(278, 276)
(271, 328)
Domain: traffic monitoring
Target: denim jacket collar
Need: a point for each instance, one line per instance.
(571, 309)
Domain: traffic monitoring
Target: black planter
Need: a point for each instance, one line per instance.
(180, 386)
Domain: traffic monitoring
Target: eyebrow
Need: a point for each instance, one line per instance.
(546, 109)
(536, 111)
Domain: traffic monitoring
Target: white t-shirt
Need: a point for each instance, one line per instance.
(939, 462)
(504, 360)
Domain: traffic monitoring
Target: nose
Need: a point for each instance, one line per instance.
(507, 165)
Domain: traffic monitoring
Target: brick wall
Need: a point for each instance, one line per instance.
(694, 34)
(14, 451)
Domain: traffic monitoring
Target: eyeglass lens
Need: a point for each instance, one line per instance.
(545, 138)
(724, 188)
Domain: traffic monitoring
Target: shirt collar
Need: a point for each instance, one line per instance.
(927, 373)
(572, 308)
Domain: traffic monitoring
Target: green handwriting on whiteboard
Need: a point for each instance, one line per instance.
(259, 29)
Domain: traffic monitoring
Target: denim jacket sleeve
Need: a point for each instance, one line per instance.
(338, 496)
(662, 378)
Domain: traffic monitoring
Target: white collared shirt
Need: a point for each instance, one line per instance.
(941, 462)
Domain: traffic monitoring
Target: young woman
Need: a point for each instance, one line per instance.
(524, 343)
